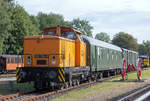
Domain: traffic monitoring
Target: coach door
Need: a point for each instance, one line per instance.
(2, 64)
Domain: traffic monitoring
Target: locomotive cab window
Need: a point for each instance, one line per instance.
(50, 33)
(68, 34)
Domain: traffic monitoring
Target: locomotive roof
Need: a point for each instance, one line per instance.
(101, 43)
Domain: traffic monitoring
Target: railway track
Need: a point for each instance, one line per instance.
(19, 96)
(135, 95)
(7, 75)
(34, 95)
(46, 96)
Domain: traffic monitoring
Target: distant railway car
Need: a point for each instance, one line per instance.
(145, 61)
(62, 57)
(8, 63)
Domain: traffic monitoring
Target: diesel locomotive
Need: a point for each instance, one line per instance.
(62, 57)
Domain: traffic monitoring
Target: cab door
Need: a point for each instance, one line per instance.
(80, 52)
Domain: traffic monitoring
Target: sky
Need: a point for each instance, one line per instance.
(110, 16)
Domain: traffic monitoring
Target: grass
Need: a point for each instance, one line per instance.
(105, 88)
(6, 89)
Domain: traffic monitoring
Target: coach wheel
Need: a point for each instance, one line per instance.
(89, 79)
(74, 83)
(99, 76)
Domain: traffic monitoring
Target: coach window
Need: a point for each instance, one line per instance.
(19, 60)
(108, 54)
(11, 59)
(16, 60)
(22, 59)
(112, 55)
(99, 52)
(68, 34)
(8, 61)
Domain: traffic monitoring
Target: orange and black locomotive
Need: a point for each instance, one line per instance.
(56, 56)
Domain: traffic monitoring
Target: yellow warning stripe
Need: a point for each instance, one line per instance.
(17, 77)
(17, 70)
(59, 78)
(63, 71)
(61, 75)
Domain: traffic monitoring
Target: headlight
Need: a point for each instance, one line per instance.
(52, 74)
(29, 61)
(53, 60)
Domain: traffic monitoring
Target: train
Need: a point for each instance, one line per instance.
(145, 61)
(61, 57)
(9, 63)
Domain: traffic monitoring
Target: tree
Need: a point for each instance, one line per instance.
(125, 40)
(144, 48)
(103, 36)
(21, 27)
(35, 22)
(51, 20)
(83, 26)
(5, 24)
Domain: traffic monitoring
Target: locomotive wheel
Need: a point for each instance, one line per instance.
(78, 82)
(37, 85)
(66, 85)
(62, 87)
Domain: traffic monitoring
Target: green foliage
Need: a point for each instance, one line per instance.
(21, 26)
(35, 23)
(5, 23)
(15, 23)
(125, 40)
(83, 26)
(103, 36)
(51, 20)
(144, 48)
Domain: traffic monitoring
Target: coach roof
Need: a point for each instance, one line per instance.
(101, 43)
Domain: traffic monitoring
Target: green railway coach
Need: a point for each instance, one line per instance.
(102, 56)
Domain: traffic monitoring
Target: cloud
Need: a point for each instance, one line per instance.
(112, 16)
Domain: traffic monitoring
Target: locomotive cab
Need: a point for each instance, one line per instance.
(69, 33)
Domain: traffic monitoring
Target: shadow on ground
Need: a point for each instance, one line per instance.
(128, 80)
